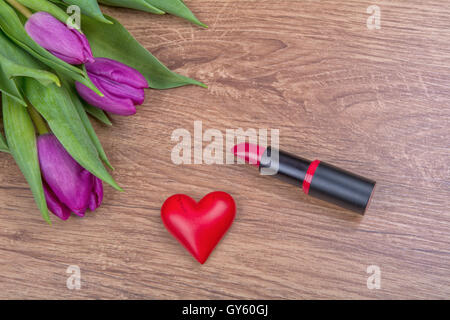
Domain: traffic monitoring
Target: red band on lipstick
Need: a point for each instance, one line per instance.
(309, 175)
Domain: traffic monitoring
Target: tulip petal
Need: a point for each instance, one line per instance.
(54, 205)
(119, 90)
(96, 197)
(89, 58)
(122, 86)
(117, 72)
(70, 182)
(67, 44)
(124, 107)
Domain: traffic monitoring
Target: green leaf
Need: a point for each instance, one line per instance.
(3, 144)
(19, 56)
(9, 87)
(40, 5)
(86, 122)
(89, 8)
(15, 62)
(97, 113)
(133, 4)
(115, 42)
(56, 106)
(12, 69)
(14, 29)
(177, 8)
(21, 139)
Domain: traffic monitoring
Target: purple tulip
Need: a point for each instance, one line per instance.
(68, 187)
(122, 86)
(63, 42)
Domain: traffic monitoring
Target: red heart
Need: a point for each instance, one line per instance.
(199, 226)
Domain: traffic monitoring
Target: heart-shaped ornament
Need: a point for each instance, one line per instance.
(199, 226)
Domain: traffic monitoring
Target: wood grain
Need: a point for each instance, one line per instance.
(376, 102)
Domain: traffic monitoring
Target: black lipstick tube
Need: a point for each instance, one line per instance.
(320, 180)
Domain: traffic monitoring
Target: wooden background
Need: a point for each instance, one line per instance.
(376, 102)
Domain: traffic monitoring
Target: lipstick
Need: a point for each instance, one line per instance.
(317, 178)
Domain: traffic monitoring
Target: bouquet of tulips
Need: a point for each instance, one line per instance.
(53, 75)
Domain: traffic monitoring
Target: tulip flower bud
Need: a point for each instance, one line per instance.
(65, 43)
(68, 187)
(122, 86)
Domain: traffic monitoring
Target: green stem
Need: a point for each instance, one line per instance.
(19, 7)
(39, 122)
